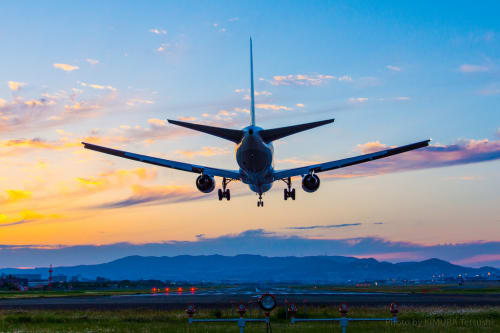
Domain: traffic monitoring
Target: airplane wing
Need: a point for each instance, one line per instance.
(280, 174)
(232, 174)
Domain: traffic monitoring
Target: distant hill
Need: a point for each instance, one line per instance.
(254, 268)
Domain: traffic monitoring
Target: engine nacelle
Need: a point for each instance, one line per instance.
(205, 184)
(310, 183)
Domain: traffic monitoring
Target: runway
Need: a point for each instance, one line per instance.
(175, 300)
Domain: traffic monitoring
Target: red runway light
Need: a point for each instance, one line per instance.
(180, 289)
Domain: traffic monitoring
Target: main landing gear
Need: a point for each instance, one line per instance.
(288, 192)
(224, 193)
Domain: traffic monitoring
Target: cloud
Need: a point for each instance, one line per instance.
(358, 99)
(158, 31)
(393, 68)
(15, 86)
(492, 89)
(242, 110)
(234, 19)
(157, 122)
(331, 226)
(299, 105)
(81, 107)
(15, 195)
(297, 161)
(98, 86)
(50, 109)
(479, 259)
(157, 130)
(26, 216)
(163, 47)
(116, 178)
(467, 68)
(66, 67)
(18, 146)
(155, 195)
(273, 107)
(188, 118)
(205, 152)
(434, 156)
(135, 101)
(259, 242)
(256, 93)
(300, 79)
(92, 61)
(221, 116)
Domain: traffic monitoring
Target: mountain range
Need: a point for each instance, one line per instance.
(255, 268)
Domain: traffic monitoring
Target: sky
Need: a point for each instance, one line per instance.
(389, 72)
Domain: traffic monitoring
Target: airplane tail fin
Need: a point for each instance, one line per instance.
(224, 133)
(270, 135)
(252, 95)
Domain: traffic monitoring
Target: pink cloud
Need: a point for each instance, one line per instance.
(434, 156)
(392, 256)
(478, 259)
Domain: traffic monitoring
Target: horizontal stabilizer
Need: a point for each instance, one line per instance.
(278, 133)
(224, 133)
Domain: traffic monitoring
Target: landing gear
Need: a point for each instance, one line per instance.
(260, 203)
(224, 193)
(289, 192)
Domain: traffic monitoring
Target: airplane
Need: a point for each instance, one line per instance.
(254, 155)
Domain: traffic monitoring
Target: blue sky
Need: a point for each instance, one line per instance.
(391, 73)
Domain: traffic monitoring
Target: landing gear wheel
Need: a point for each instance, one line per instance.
(224, 192)
(288, 192)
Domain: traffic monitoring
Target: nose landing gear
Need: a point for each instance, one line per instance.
(289, 192)
(224, 193)
(260, 203)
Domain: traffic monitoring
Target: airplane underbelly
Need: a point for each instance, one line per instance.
(261, 188)
(255, 160)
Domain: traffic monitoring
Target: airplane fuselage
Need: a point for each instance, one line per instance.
(256, 160)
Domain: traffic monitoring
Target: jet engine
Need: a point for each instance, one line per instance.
(310, 183)
(205, 184)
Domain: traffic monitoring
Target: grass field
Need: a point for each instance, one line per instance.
(411, 319)
(64, 293)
